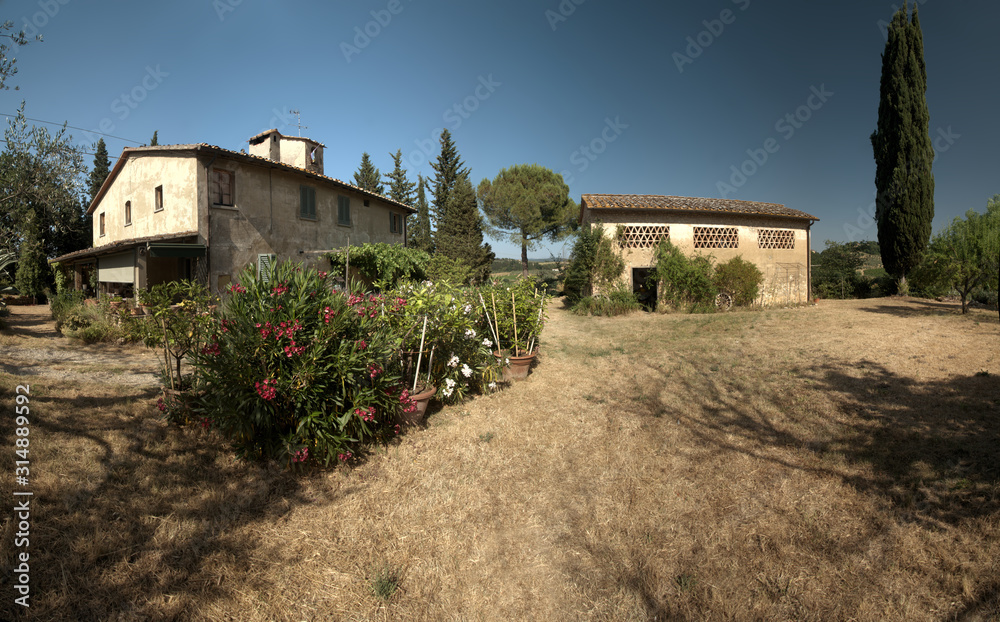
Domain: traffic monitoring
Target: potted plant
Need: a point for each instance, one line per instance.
(515, 315)
(439, 343)
(144, 299)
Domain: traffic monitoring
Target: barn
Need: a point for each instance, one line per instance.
(774, 237)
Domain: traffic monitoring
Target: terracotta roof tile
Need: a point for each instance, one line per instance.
(687, 204)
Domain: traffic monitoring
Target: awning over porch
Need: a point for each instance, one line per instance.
(159, 249)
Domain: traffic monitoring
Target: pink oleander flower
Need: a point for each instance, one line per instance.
(301, 455)
(236, 288)
(374, 370)
(345, 456)
(361, 344)
(267, 389)
(212, 349)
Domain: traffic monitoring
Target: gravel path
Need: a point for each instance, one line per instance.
(31, 346)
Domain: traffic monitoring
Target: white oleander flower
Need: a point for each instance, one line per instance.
(493, 386)
(453, 361)
(466, 371)
(487, 343)
(468, 309)
(471, 334)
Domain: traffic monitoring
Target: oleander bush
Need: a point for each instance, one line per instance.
(297, 372)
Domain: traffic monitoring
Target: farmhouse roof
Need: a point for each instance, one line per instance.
(686, 204)
(198, 148)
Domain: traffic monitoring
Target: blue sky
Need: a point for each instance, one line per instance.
(628, 97)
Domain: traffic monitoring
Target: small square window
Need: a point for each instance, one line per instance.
(158, 199)
(343, 210)
(102, 223)
(128, 213)
(307, 202)
(222, 188)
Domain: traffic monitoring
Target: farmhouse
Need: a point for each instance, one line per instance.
(772, 236)
(203, 212)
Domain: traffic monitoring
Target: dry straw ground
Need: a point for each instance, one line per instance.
(839, 462)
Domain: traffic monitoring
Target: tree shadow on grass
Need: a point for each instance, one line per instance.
(932, 448)
(149, 520)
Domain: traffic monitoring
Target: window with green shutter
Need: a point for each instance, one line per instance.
(264, 263)
(343, 210)
(307, 202)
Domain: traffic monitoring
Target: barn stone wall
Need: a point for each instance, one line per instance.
(763, 240)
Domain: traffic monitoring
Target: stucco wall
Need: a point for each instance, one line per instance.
(136, 182)
(265, 219)
(786, 271)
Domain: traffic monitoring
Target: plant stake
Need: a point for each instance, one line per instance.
(513, 309)
(420, 355)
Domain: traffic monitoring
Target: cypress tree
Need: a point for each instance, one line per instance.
(367, 176)
(101, 170)
(447, 170)
(155, 140)
(460, 232)
(400, 188)
(420, 231)
(903, 150)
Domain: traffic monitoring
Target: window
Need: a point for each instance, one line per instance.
(343, 210)
(307, 202)
(264, 263)
(158, 199)
(222, 188)
(102, 223)
(643, 236)
(128, 213)
(395, 223)
(716, 237)
(775, 238)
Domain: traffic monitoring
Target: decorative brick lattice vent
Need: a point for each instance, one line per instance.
(775, 238)
(716, 237)
(643, 236)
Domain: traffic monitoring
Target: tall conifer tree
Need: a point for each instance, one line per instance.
(460, 232)
(367, 176)
(420, 230)
(101, 170)
(447, 170)
(400, 188)
(903, 150)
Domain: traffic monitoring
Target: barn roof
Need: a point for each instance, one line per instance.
(686, 204)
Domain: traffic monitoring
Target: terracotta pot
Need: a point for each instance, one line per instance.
(136, 311)
(420, 400)
(518, 367)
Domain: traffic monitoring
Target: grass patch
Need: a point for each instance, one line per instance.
(639, 484)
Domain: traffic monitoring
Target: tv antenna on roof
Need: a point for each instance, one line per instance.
(298, 121)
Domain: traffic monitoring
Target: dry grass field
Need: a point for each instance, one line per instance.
(837, 462)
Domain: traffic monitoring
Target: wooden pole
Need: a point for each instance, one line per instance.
(513, 309)
(420, 355)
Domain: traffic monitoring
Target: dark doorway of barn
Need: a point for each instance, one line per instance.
(643, 288)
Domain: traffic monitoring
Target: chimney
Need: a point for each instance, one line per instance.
(296, 151)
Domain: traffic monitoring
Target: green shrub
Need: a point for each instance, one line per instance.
(441, 269)
(594, 264)
(297, 372)
(383, 265)
(618, 301)
(685, 283)
(740, 278)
